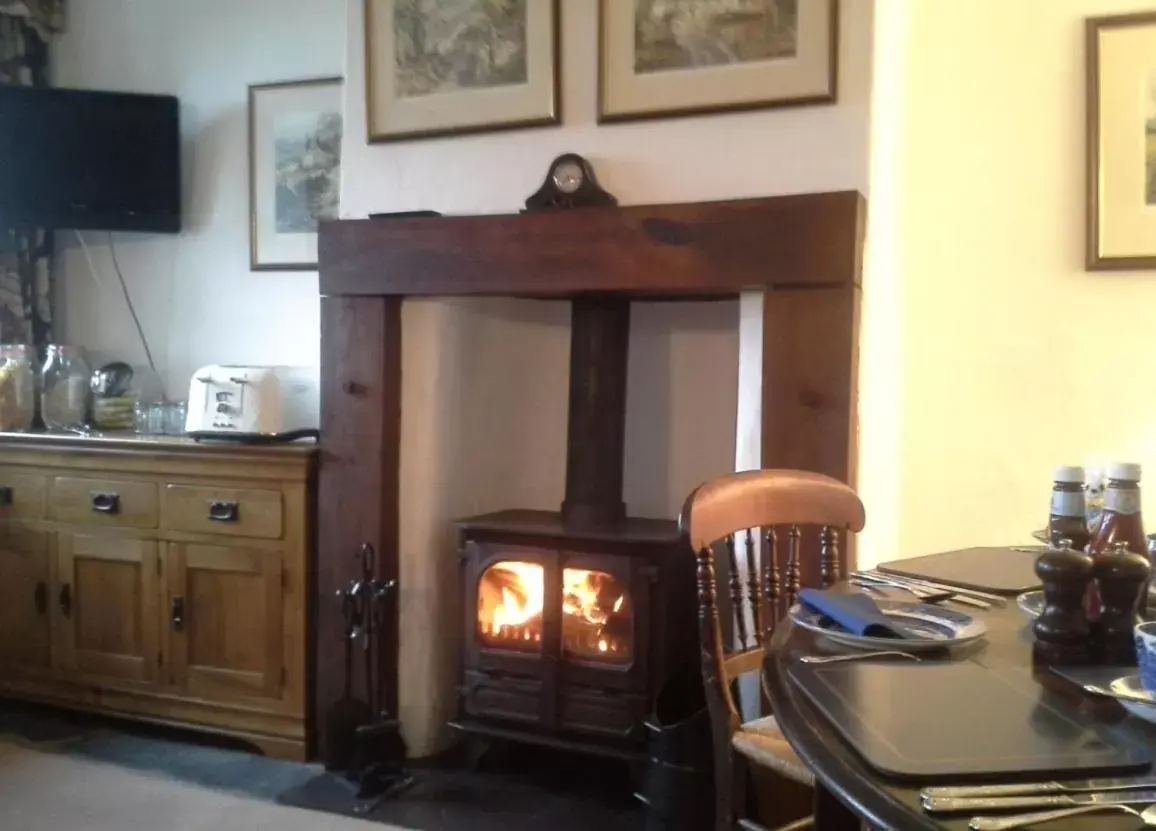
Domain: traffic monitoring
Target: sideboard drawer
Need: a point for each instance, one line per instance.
(104, 502)
(21, 494)
(239, 512)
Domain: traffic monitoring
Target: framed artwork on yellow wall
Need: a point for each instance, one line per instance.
(448, 67)
(666, 58)
(1121, 116)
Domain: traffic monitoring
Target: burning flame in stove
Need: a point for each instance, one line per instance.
(512, 598)
(523, 596)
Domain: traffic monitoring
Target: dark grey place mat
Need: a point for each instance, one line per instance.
(960, 721)
(992, 569)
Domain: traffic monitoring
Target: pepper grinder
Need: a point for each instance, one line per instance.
(1121, 576)
(1062, 630)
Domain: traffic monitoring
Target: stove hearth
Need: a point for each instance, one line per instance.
(570, 631)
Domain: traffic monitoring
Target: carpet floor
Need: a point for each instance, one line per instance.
(73, 772)
(50, 791)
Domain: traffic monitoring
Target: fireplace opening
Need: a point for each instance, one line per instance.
(596, 612)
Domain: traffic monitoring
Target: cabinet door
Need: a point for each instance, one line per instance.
(24, 622)
(226, 621)
(105, 606)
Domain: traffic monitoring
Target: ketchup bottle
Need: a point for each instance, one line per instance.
(1121, 522)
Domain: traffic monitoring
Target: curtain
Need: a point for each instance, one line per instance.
(26, 253)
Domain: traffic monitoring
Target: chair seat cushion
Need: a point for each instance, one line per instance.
(763, 743)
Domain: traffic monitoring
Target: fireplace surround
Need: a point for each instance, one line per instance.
(801, 253)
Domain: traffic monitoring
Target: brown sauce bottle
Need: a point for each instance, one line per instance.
(1068, 517)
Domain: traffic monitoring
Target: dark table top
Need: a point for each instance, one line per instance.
(892, 804)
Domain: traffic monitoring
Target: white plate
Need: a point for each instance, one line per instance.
(1131, 684)
(938, 627)
(1031, 603)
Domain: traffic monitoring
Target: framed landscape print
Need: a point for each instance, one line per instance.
(294, 170)
(445, 67)
(661, 58)
(1121, 142)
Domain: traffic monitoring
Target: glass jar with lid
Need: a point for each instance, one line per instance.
(64, 388)
(17, 387)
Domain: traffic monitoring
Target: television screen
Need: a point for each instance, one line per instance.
(89, 160)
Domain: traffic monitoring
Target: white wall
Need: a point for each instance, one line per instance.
(463, 357)
(198, 300)
(1013, 357)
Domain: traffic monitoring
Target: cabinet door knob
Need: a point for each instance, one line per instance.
(106, 503)
(221, 510)
(178, 614)
(40, 597)
(66, 600)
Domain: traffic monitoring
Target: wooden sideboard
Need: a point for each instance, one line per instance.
(159, 579)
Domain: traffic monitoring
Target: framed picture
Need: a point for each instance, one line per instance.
(294, 170)
(1121, 142)
(446, 67)
(662, 58)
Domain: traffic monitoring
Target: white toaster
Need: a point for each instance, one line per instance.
(253, 403)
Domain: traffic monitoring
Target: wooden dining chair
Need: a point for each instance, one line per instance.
(733, 512)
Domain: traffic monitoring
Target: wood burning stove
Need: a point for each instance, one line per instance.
(570, 631)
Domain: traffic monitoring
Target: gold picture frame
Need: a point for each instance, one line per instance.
(1121, 135)
(497, 68)
(779, 53)
(294, 170)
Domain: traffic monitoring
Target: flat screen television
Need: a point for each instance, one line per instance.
(89, 160)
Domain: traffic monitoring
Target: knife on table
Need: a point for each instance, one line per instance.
(974, 804)
(1026, 788)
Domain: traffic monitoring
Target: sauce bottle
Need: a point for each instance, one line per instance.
(1068, 519)
(1121, 520)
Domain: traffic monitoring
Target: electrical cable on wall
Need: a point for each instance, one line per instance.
(124, 288)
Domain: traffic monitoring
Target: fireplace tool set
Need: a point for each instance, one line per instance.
(363, 739)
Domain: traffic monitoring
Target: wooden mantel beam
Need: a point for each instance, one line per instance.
(705, 249)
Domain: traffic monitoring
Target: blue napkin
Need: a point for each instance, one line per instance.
(857, 613)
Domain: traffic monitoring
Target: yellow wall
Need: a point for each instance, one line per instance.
(1008, 358)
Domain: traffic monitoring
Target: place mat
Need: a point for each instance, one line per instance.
(992, 569)
(962, 721)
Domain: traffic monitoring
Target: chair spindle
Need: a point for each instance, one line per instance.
(754, 589)
(829, 555)
(774, 585)
(794, 576)
(736, 586)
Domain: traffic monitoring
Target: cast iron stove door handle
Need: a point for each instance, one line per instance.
(178, 614)
(106, 503)
(223, 510)
(66, 600)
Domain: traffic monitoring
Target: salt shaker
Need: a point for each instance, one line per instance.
(1121, 576)
(1062, 631)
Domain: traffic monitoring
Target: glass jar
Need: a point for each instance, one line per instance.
(64, 388)
(17, 387)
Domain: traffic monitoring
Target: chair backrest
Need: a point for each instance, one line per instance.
(752, 506)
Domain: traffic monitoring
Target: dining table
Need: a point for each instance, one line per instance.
(849, 792)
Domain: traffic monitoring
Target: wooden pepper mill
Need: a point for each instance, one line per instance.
(1121, 575)
(1062, 631)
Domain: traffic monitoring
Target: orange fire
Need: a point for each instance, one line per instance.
(511, 598)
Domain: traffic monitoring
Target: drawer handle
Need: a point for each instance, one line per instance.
(6, 496)
(40, 597)
(224, 511)
(66, 600)
(106, 503)
(178, 614)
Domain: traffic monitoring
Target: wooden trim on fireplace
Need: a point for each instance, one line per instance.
(358, 484)
(701, 249)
